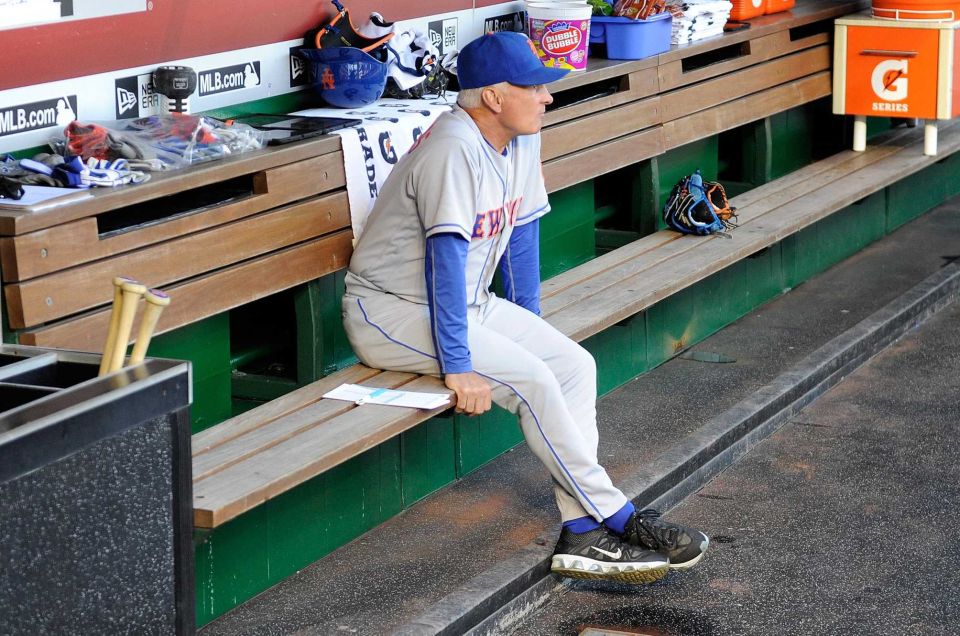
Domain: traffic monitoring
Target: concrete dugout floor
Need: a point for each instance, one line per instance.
(402, 569)
(842, 522)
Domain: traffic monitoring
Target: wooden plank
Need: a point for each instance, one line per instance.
(741, 55)
(283, 428)
(709, 93)
(211, 294)
(600, 69)
(64, 293)
(300, 398)
(577, 275)
(582, 282)
(640, 291)
(745, 110)
(798, 180)
(247, 484)
(603, 158)
(600, 128)
(633, 86)
(804, 14)
(52, 249)
(167, 183)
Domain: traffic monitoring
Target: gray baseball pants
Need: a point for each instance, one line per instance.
(534, 371)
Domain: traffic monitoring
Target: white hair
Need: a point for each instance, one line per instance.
(471, 97)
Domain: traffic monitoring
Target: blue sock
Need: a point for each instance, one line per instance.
(581, 525)
(617, 522)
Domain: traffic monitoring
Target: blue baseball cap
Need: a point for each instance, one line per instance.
(503, 56)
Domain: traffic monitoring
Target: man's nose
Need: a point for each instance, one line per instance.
(547, 97)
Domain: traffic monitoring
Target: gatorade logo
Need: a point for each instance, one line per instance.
(386, 148)
(889, 80)
(560, 38)
(756, 3)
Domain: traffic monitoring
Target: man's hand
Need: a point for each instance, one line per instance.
(473, 392)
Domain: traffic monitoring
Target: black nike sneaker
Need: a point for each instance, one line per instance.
(601, 555)
(684, 546)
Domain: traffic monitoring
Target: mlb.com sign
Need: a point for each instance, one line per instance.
(229, 78)
(37, 115)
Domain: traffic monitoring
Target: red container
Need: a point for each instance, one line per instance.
(775, 6)
(746, 9)
(916, 10)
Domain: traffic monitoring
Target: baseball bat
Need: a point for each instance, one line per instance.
(156, 301)
(114, 322)
(132, 291)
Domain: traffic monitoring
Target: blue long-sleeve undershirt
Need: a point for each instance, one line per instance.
(445, 264)
(520, 267)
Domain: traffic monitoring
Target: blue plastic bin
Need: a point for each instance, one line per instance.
(629, 39)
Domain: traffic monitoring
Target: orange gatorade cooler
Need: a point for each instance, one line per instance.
(893, 68)
(916, 10)
(746, 9)
(775, 6)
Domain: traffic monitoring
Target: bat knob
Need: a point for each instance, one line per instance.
(133, 287)
(157, 297)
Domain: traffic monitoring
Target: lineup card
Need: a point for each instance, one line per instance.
(360, 394)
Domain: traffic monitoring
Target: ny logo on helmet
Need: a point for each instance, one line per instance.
(327, 79)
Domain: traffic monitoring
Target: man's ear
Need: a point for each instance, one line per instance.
(492, 99)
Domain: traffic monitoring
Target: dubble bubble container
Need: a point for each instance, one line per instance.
(629, 39)
(560, 31)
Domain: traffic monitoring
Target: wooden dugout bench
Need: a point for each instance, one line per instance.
(215, 236)
(612, 116)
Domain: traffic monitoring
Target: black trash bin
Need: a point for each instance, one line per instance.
(95, 496)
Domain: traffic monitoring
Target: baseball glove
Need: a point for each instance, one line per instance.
(699, 207)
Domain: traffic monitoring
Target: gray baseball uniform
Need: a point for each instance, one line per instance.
(454, 181)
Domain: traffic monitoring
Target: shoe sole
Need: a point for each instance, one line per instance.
(584, 568)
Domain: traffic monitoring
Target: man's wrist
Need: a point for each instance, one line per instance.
(452, 369)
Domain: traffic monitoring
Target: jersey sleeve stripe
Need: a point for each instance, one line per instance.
(543, 209)
(448, 227)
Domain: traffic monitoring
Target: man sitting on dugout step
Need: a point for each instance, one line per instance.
(466, 199)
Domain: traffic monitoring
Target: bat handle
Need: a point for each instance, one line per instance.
(114, 322)
(131, 295)
(156, 301)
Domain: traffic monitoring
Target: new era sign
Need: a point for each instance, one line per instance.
(135, 97)
(299, 75)
(443, 34)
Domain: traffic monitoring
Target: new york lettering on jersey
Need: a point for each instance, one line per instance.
(490, 223)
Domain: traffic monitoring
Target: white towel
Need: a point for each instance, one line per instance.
(389, 129)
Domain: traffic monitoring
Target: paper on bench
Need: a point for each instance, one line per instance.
(371, 395)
